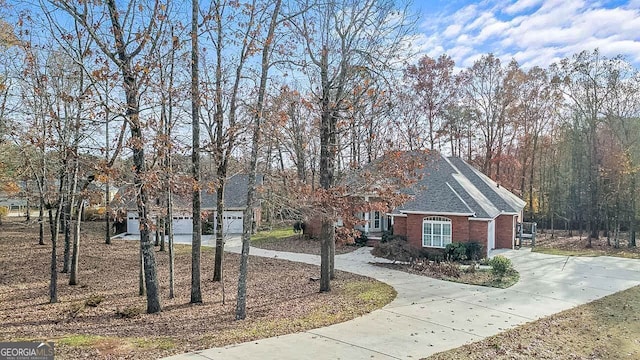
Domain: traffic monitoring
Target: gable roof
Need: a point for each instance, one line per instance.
(452, 186)
(235, 193)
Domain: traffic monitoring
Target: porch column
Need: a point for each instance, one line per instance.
(366, 217)
(366, 224)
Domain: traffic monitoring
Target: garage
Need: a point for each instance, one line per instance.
(133, 222)
(183, 224)
(232, 222)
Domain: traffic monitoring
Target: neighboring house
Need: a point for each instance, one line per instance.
(235, 202)
(451, 201)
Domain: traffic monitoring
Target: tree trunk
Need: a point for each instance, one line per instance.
(325, 253)
(53, 284)
(41, 221)
(73, 275)
(107, 191)
(247, 221)
(196, 293)
(217, 270)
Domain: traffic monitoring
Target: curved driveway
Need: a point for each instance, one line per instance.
(430, 316)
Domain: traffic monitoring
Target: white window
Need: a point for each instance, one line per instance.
(376, 220)
(436, 232)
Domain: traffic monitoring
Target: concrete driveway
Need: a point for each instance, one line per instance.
(430, 316)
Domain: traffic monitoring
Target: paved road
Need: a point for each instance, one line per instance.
(430, 315)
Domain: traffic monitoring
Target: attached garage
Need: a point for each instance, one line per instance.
(183, 224)
(133, 222)
(232, 222)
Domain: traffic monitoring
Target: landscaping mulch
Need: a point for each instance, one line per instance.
(450, 271)
(103, 317)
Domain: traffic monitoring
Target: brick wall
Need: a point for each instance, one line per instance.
(478, 231)
(459, 229)
(400, 225)
(504, 232)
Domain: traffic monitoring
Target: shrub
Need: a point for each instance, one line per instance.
(456, 252)
(395, 250)
(500, 265)
(389, 236)
(208, 227)
(361, 240)
(474, 250)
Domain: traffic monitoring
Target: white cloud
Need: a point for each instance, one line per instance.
(537, 32)
(521, 5)
(452, 30)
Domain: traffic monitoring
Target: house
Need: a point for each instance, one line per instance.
(235, 202)
(450, 201)
(455, 202)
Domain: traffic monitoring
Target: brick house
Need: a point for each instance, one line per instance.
(454, 202)
(451, 201)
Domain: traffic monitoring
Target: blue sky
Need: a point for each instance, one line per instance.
(534, 32)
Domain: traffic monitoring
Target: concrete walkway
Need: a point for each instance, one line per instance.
(430, 316)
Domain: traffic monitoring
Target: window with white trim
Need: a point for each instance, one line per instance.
(436, 231)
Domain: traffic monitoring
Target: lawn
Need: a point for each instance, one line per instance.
(104, 317)
(604, 329)
(576, 245)
(285, 239)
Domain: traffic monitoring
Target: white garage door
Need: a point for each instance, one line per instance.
(232, 222)
(182, 224)
(133, 222)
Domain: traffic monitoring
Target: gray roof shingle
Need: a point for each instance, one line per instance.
(452, 186)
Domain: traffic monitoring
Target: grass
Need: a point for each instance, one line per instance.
(270, 235)
(603, 329)
(375, 295)
(585, 252)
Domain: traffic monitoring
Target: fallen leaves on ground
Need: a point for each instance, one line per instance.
(299, 244)
(574, 243)
(103, 317)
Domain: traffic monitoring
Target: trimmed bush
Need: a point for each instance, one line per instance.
(389, 236)
(474, 250)
(456, 251)
(500, 265)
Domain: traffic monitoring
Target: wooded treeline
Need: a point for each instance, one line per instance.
(170, 99)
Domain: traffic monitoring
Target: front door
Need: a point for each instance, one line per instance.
(376, 221)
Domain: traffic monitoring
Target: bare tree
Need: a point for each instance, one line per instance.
(129, 39)
(247, 222)
(342, 39)
(196, 293)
